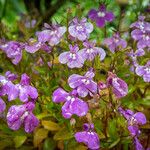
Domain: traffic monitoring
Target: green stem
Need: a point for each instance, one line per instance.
(3, 10)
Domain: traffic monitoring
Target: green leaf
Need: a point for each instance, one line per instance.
(49, 125)
(114, 143)
(131, 89)
(63, 134)
(112, 129)
(39, 136)
(43, 115)
(49, 144)
(19, 140)
(145, 102)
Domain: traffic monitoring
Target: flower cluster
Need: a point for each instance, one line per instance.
(51, 35)
(82, 86)
(75, 58)
(134, 121)
(141, 34)
(73, 104)
(85, 87)
(19, 114)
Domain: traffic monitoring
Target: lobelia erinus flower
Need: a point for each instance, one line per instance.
(72, 58)
(138, 145)
(25, 90)
(88, 137)
(90, 51)
(144, 71)
(13, 50)
(115, 43)
(7, 87)
(142, 33)
(120, 87)
(80, 29)
(51, 34)
(30, 23)
(134, 120)
(134, 55)
(22, 115)
(73, 105)
(33, 46)
(84, 84)
(140, 24)
(101, 16)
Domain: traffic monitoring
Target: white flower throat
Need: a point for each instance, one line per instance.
(85, 81)
(79, 28)
(101, 14)
(147, 69)
(89, 50)
(70, 98)
(72, 55)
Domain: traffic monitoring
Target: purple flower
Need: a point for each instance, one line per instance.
(73, 105)
(144, 71)
(72, 58)
(22, 115)
(100, 16)
(141, 33)
(51, 34)
(13, 51)
(84, 84)
(134, 55)
(7, 87)
(33, 46)
(143, 38)
(141, 24)
(126, 113)
(25, 89)
(120, 88)
(115, 43)
(137, 53)
(90, 51)
(101, 85)
(80, 29)
(30, 23)
(88, 137)
(138, 145)
(2, 105)
(10, 76)
(134, 120)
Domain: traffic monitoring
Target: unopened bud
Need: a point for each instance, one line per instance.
(72, 121)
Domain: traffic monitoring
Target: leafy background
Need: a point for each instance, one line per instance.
(54, 132)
